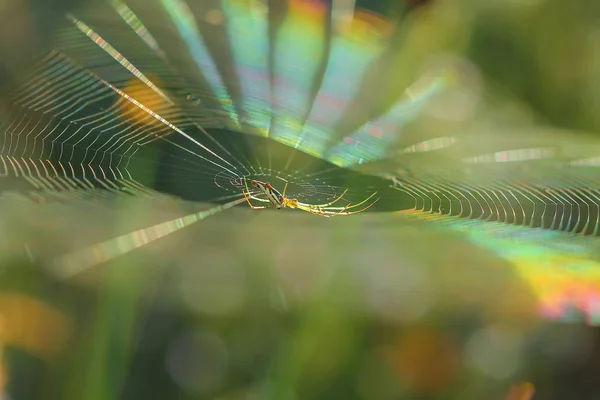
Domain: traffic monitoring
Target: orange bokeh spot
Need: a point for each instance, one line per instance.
(144, 95)
(425, 360)
(369, 21)
(33, 326)
(307, 8)
(521, 391)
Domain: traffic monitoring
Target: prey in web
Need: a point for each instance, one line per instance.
(277, 199)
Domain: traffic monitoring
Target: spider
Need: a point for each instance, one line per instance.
(279, 200)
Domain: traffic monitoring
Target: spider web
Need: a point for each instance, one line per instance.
(174, 104)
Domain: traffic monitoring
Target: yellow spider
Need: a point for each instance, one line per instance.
(279, 200)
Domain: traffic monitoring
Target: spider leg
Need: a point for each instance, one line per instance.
(323, 211)
(357, 211)
(349, 206)
(246, 183)
(247, 196)
(314, 211)
(326, 204)
(333, 211)
(364, 201)
(258, 199)
(284, 189)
